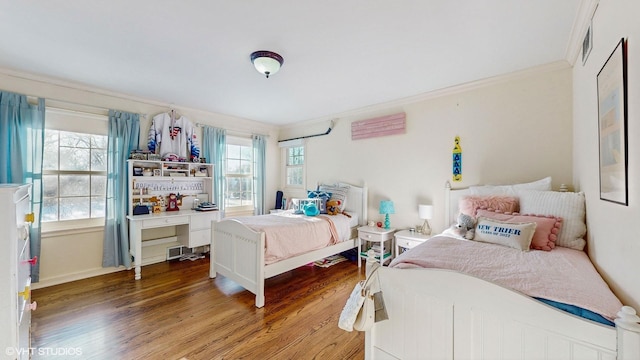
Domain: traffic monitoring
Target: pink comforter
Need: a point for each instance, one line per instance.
(563, 275)
(288, 235)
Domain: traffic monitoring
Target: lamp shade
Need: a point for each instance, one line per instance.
(425, 211)
(386, 207)
(266, 62)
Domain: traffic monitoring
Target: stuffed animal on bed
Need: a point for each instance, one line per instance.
(333, 208)
(466, 226)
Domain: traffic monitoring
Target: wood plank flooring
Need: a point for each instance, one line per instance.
(176, 312)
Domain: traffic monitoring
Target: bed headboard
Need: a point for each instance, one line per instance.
(451, 203)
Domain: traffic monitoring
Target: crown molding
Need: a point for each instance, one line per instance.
(581, 23)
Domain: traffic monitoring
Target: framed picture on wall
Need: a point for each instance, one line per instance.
(612, 126)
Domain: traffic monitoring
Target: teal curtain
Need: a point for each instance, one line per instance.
(124, 136)
(21, 149)
(214, 146)
(259, 157)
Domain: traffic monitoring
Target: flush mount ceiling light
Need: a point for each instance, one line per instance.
(266, 62)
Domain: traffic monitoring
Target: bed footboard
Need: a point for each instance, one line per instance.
(238, 254)
(441, 314)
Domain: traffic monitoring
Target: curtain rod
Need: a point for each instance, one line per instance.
(234, 131)
(34, 98)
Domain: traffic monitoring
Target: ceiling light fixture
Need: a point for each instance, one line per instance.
(266, 62)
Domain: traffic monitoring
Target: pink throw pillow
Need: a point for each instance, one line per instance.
(470, 204)
(547, 227)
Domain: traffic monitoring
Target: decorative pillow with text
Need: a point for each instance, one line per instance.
(547, 227)
(513, 235)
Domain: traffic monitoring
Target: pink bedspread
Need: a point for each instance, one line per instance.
(288, 235)
(563, 275)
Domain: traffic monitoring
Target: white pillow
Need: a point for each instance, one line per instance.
(338, 192)
(513, 235)
(569, 206)
(542, 184)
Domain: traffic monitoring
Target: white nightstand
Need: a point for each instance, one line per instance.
(380, 239)
(406, 240)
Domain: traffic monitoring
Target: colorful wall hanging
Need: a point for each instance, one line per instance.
(457, 160)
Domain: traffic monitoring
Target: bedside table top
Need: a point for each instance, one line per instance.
(412, 235)
(375, 229)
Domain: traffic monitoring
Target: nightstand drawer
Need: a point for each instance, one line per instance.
(375, 237)
(407, 243)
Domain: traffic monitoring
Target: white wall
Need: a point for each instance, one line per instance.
(71, 255)
(516, 128)
(613, 240)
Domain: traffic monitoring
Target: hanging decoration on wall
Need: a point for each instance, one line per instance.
(457, 160)
(380, 126)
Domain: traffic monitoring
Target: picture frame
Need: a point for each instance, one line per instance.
(612, 126)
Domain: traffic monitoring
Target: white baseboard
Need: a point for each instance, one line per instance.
(57, 280)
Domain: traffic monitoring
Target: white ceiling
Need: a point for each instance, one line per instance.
(339, 55)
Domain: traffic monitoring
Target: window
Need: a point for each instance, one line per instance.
(74, 167)
(294, 166)
(239, 193)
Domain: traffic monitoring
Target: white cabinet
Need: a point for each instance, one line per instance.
(407, 239)
(379, 240)
(198, 233)
(15, 273)
(150, 184)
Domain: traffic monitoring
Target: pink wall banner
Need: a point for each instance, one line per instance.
(380, 126)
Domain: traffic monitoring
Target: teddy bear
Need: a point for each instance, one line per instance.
(333, 206)
(466, 226)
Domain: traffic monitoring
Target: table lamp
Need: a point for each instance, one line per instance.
(386, 208)
(425, 212)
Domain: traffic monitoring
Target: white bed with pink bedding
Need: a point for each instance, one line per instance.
(453, 298)
(250, 249)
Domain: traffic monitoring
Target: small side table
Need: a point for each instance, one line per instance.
(406, 239)
(380, 239)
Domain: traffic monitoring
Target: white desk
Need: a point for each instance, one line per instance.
(194, 230)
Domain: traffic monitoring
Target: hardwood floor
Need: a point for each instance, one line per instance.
(176, 311)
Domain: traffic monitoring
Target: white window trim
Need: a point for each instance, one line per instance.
(73, 121)
(284, 154)
(247, 209)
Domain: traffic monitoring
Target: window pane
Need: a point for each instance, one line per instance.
(74, 159)
(74, 208)
(99, 141)
(69, 139)
(295, 155)
(245, 167)
(50, 156)
(74, 185)
(294, 176)
(245, 152)
(98, 185)
(98, 160)
(97, 206)
(49, 209)
(50, 185)
(233, 152)
(233, 166)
